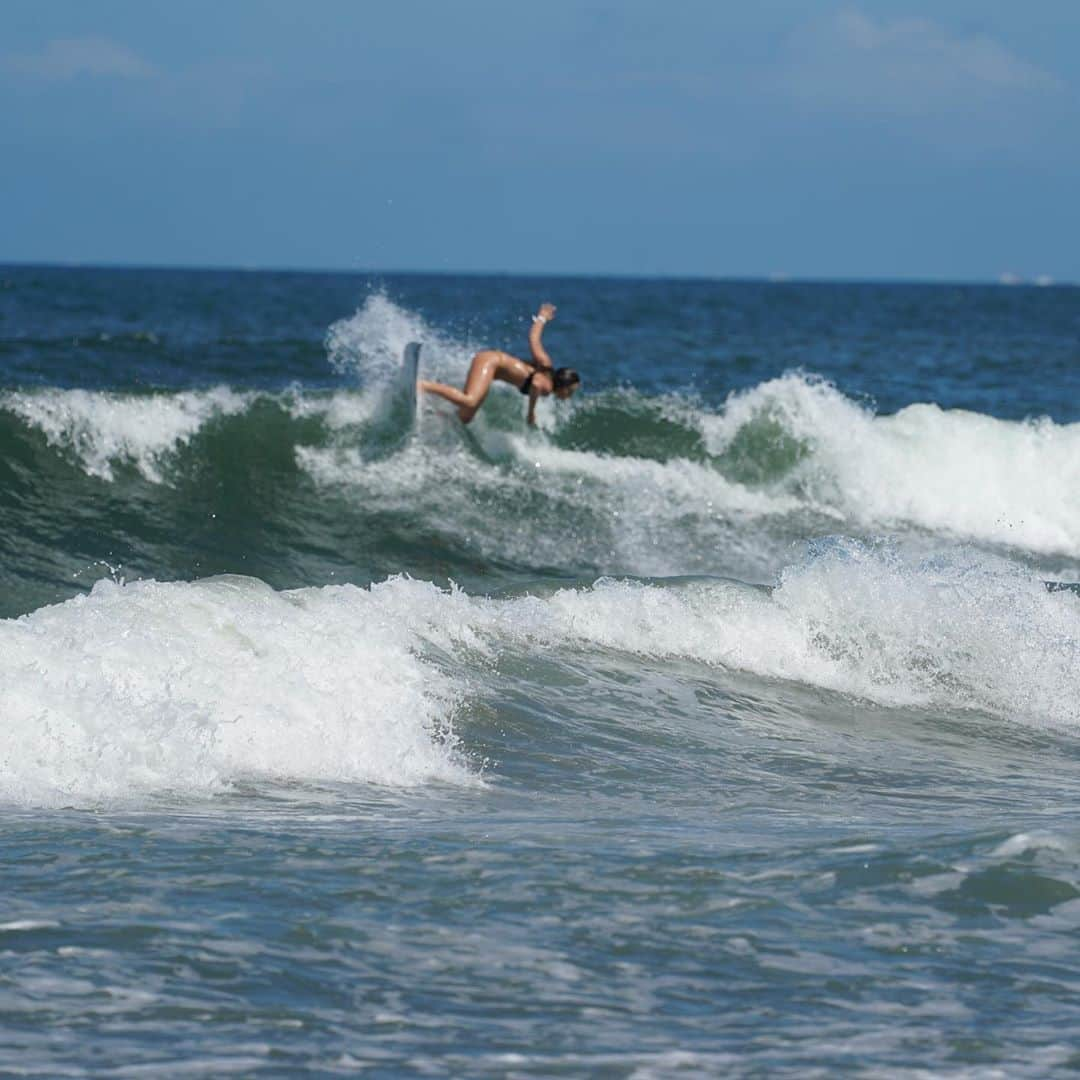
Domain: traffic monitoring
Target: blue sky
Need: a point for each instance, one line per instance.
(878, 139)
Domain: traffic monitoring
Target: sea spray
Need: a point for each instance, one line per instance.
(367, 346)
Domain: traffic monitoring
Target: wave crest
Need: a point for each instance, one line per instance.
(948, 471)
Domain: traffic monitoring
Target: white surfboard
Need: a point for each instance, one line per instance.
(410, 371)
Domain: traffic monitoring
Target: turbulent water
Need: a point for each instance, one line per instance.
(724, 724)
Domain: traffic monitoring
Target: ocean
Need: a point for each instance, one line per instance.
(725, 724)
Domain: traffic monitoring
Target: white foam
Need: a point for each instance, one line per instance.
(956, 630)
(103, 428)
(536, 504)
(1022, 843)
(955, 472)
(341, 410)
(647, 485)
(959, 631)
(542, 506)
(182, 687)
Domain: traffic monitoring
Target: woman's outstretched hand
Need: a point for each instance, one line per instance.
(547, 312)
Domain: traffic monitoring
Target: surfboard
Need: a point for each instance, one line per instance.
(410, 371)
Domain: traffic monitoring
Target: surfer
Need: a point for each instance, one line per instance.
(536, 379)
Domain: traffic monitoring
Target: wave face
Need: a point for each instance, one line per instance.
(300, 484)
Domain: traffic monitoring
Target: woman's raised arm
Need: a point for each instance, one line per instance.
(536, 332)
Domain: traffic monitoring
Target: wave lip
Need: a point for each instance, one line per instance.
(102, 428)
(154, 688)
(1009, 483)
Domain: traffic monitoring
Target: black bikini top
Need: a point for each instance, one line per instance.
(526, 386)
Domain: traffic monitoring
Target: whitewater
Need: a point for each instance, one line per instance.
(152, 687)
(724, 724)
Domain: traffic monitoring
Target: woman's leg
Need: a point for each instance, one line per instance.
(477, 385)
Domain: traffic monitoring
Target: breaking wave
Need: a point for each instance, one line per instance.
(157, 688)
(314, 481)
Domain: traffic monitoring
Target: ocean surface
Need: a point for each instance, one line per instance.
(726, 724)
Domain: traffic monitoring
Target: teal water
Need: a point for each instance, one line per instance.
(725, 725)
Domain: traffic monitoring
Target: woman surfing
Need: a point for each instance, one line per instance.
(536, 379)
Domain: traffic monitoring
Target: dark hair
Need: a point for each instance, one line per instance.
(564, 378)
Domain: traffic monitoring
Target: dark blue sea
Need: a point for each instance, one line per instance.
(727, 723)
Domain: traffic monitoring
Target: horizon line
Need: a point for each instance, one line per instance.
(1004, 280)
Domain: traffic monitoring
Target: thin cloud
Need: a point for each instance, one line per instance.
(67, 58)
(906, 65)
